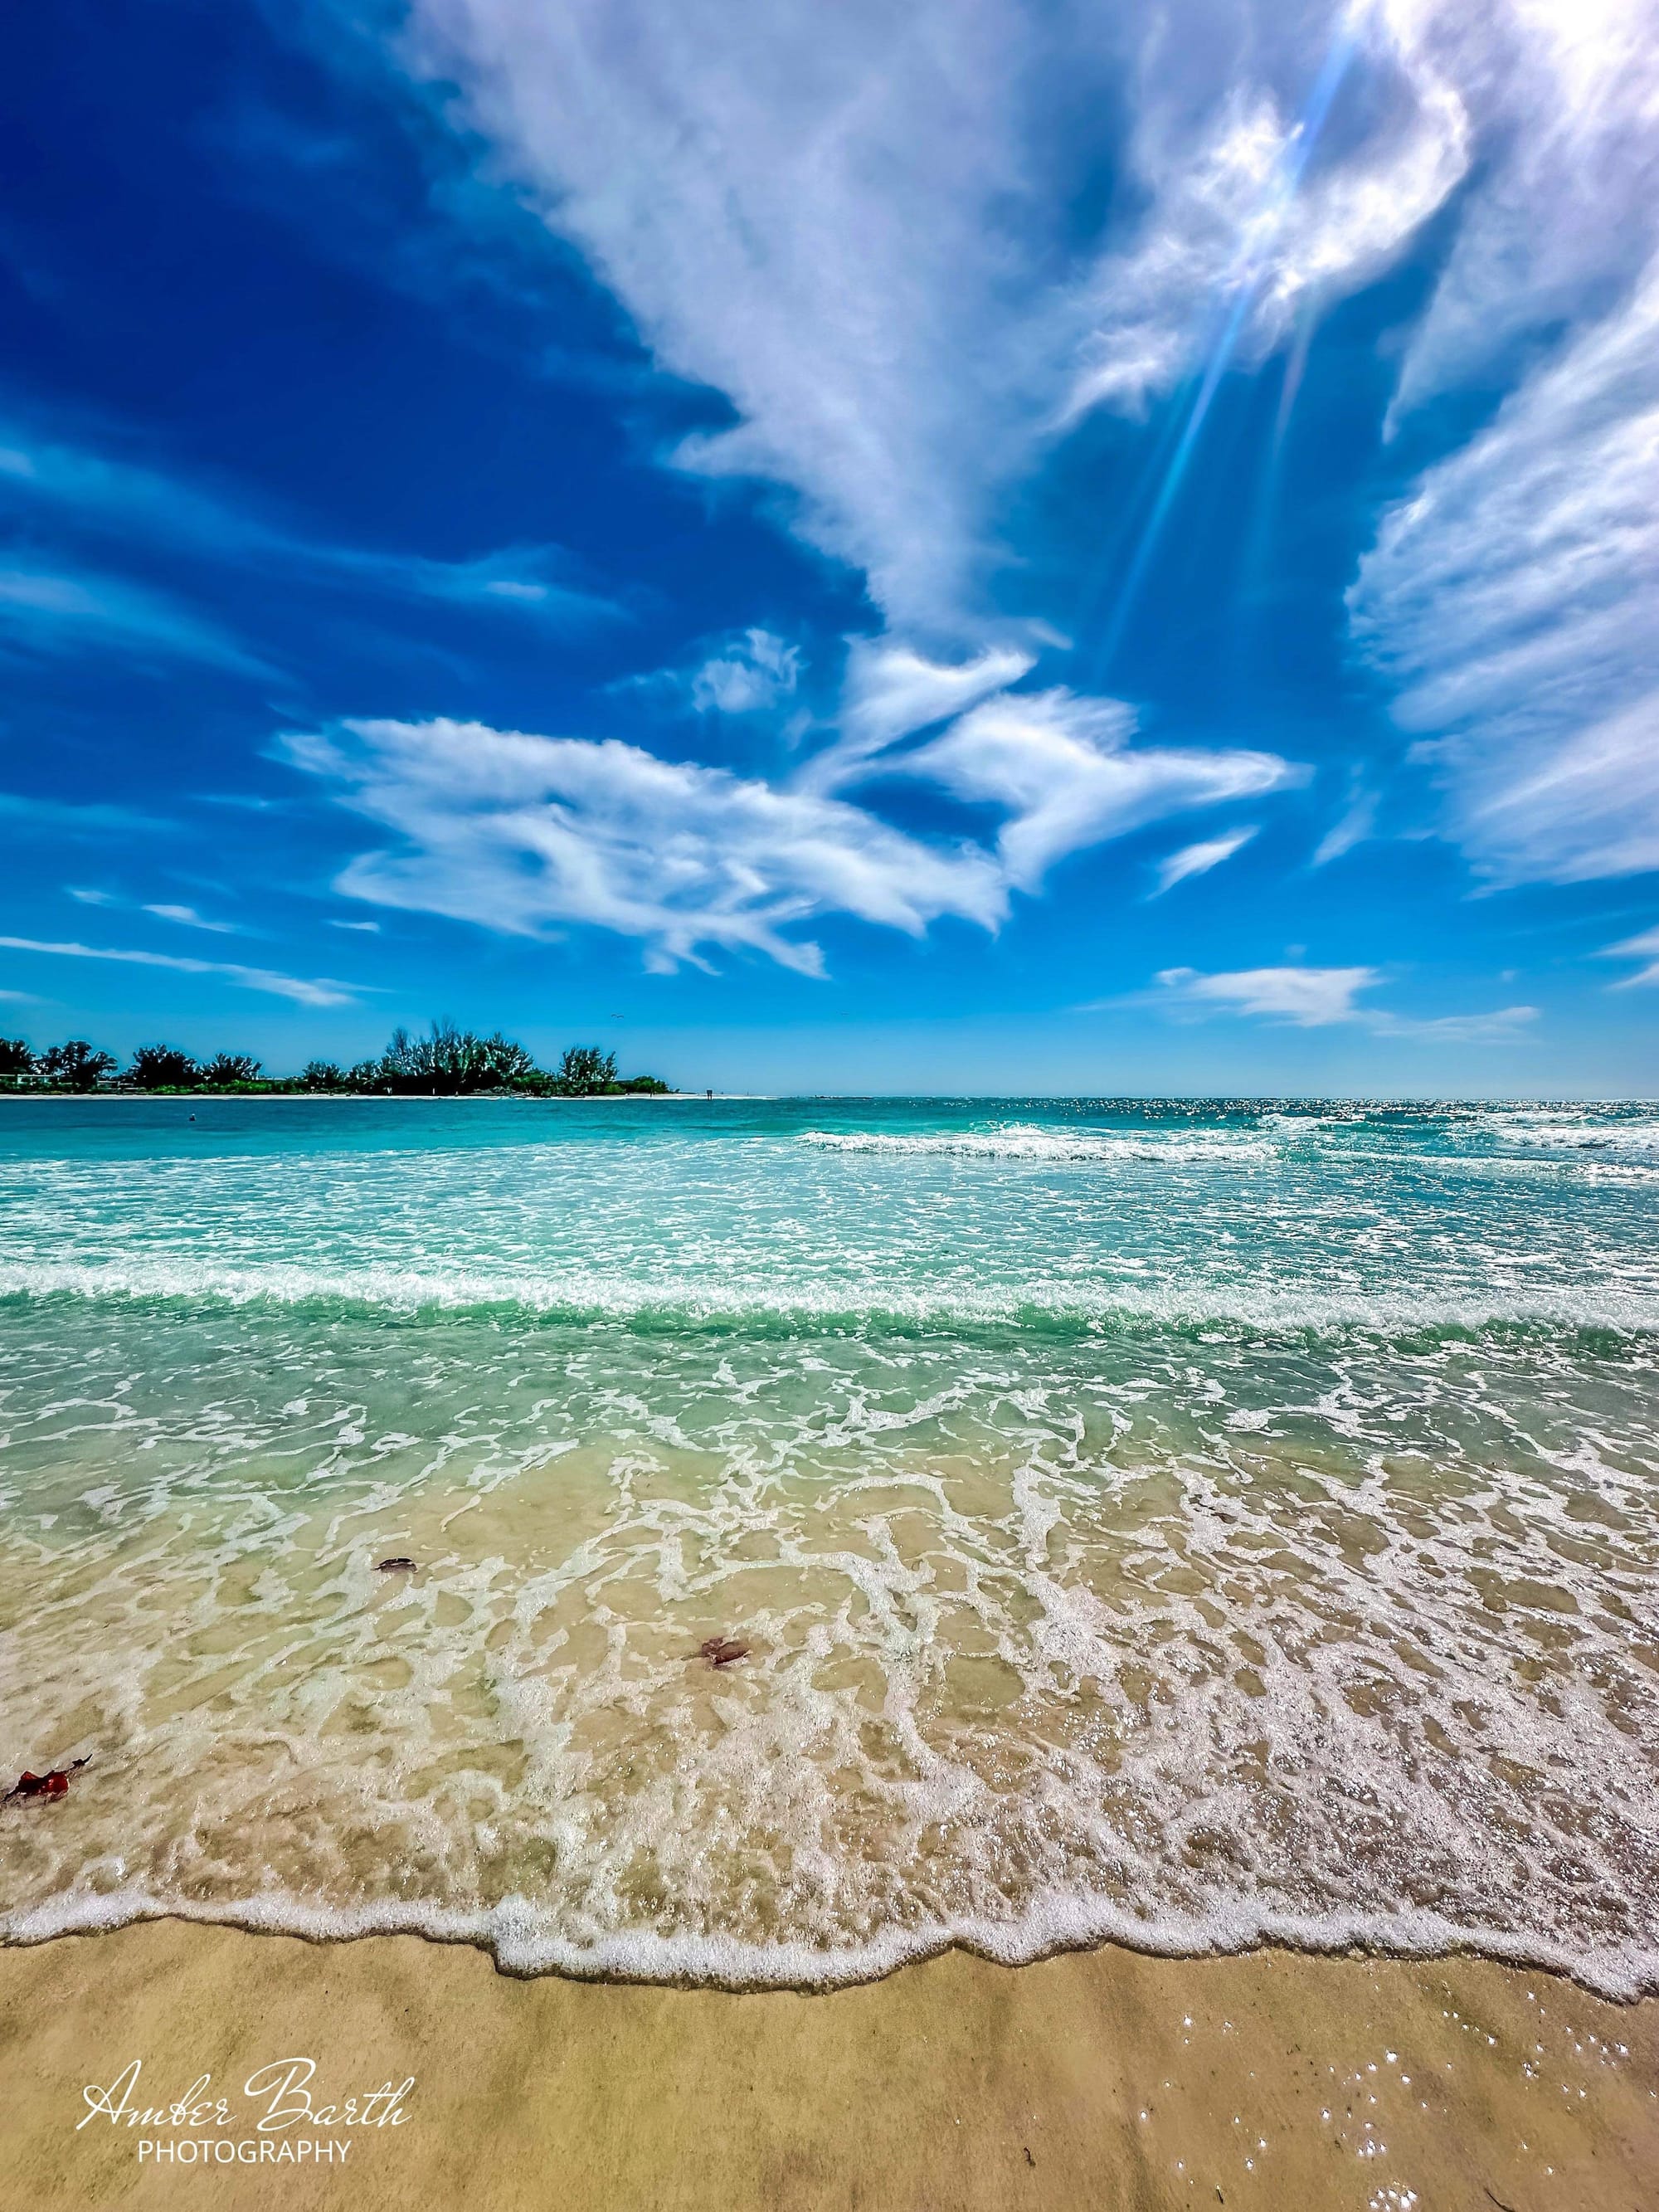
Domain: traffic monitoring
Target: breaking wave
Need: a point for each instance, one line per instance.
(1026, 1141)
(693, 1302)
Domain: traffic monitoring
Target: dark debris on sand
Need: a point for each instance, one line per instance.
(52, 1785)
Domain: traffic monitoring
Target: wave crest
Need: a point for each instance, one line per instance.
(694, 1301)
(1022, 1140)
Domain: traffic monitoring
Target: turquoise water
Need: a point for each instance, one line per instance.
(1188, 1523)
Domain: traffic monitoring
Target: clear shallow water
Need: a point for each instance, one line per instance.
(1183, 1522)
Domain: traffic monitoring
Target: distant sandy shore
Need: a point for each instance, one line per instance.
(390, 1097)
(1100, 2080)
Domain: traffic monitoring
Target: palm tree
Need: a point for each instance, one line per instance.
(75, 1065)
(228, 1067)
(162, 1068)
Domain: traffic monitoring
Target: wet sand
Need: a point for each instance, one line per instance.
(1101, 2079)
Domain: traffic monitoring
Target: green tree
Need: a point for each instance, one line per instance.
(16, 1059)
(163, 1067)
(323, 1075)
(228, 1067)
(585, 1071)
(449, 1062)
(507, 1063)
(75, 1065)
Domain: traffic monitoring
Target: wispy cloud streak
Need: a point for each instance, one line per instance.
(60, 610)
(131, 505)
(1645, 948)
(1198, 860)
(305, 991)
(1510, 595)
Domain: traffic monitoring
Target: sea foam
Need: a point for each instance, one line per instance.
(1190, 1529)
(580, 1296)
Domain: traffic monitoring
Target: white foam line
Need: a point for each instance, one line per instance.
(1023, 1142)
(623, 1298)
(521, 1942)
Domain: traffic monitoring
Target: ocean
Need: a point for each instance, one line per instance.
(1193, 1524)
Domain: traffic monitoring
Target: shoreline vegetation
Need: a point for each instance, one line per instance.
(449, 1062)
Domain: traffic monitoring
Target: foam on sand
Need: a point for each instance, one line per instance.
(1001, 1709)
(1194, 1526)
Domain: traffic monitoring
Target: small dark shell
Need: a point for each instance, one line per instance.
(394, 1567)
(720, 1651)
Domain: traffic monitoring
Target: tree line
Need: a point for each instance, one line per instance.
(447, 1063)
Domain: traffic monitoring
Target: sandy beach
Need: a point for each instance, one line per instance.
(1098, 2079)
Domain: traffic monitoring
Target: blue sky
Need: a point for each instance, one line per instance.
(983, 547)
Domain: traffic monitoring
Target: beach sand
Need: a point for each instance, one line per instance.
(1102, 2079)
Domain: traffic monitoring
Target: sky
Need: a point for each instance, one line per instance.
(985, 547)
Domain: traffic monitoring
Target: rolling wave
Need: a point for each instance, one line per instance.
(1026, 1141)
(692, 1301)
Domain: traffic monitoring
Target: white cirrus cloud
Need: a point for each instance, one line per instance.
(130, 507)
(756, 672)
(64, 609)
(164, 910)
(1560, 219)
(1511, 600)
(1645, 948)
(1510, 595)
(1311, 997)
(1503, 1025)
(305, 991)
(1254, 210)
(1319, 997)
(520, 833)
(866, 235)
(862, 230)
(1198, 860)
(1062, 769)
(889, 691)
(799, 208)
(1351, 827)
(188, 918)
(55, 817)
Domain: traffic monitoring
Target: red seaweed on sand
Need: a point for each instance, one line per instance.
(54, 1784)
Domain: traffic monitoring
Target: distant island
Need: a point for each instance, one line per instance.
(447, 1063)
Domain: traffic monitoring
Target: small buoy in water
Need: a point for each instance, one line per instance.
(394, 1567)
